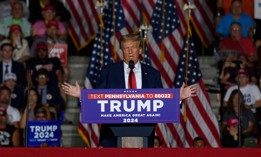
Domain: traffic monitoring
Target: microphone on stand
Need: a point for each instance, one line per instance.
(131, 66)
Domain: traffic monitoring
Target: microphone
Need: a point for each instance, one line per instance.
(131, 64)
(237, 62)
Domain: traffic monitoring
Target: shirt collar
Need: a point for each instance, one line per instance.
(137, 66)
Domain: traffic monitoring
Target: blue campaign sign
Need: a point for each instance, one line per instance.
(130, 106)
(40, 132)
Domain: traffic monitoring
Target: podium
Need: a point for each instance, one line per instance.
(138, 136)
(131, 115)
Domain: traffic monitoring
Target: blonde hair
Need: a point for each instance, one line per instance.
(130, 37)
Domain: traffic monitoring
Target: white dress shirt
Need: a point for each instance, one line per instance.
(137, 72)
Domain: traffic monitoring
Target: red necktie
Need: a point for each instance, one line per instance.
(132, 80)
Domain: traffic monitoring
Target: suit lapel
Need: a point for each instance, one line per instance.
(120, 73)
(144, 77)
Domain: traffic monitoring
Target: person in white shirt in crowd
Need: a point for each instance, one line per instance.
(21, 52)
(13, 114)
(251, 92)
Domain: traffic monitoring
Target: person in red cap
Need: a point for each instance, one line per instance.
(37, 6)
(42, 60)
(251, 92)
(230, 138)
(39, 28)
(20, 44)
(9, 135)
(232, 111)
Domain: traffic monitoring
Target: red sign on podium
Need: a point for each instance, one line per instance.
(59, 51)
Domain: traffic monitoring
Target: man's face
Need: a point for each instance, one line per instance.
(199, 144)
(17, 11)
(5, 96)
(236, 8)
(236, 31)
(7, 52)
(243, 80)
(42, 53)
(48, 15)
(10, 83)
(40, 116)
(131, 51)
(42, 80)
(156, 143)
(52, 31)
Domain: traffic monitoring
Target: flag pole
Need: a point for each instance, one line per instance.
(162, 49)
(188, 8)
(114, 30)
(101, 4)
(144, 29)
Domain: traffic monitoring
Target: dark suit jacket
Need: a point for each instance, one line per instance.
(18, 69)
(54, 98)
(112, 77)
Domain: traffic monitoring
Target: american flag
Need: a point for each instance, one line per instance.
(166, 41)
(85, 19)
(103, 54)
(201, 121)
(84, 22)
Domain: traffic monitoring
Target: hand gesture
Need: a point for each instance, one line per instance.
(72, 90)
(189, 91)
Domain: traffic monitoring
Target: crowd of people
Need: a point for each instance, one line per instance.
(238, 41)
(30, 80)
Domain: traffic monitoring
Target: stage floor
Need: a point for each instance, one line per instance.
(129, 152)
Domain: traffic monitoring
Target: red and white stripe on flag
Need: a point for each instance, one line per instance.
(84, 22)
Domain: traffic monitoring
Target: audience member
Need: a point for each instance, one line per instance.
(8, 65)
(230, 73)
(232, 111)
(251, 92)
(199, 142)
(49, 95)
(21, 49)
(157, 142)
(51, 37)
(16, 19)
(6, 8)
(13, 114)
(17, 95)
(39, 27)
(236, 15)
(247, 6)
(37, 6)
(35, 105)
(53, 65)
(9, 135)
(235, 42)
(230, 137)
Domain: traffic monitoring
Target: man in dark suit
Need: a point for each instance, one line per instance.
(8, 65)
(116, 76)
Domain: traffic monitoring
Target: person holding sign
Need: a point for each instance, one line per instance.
(127, 74)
